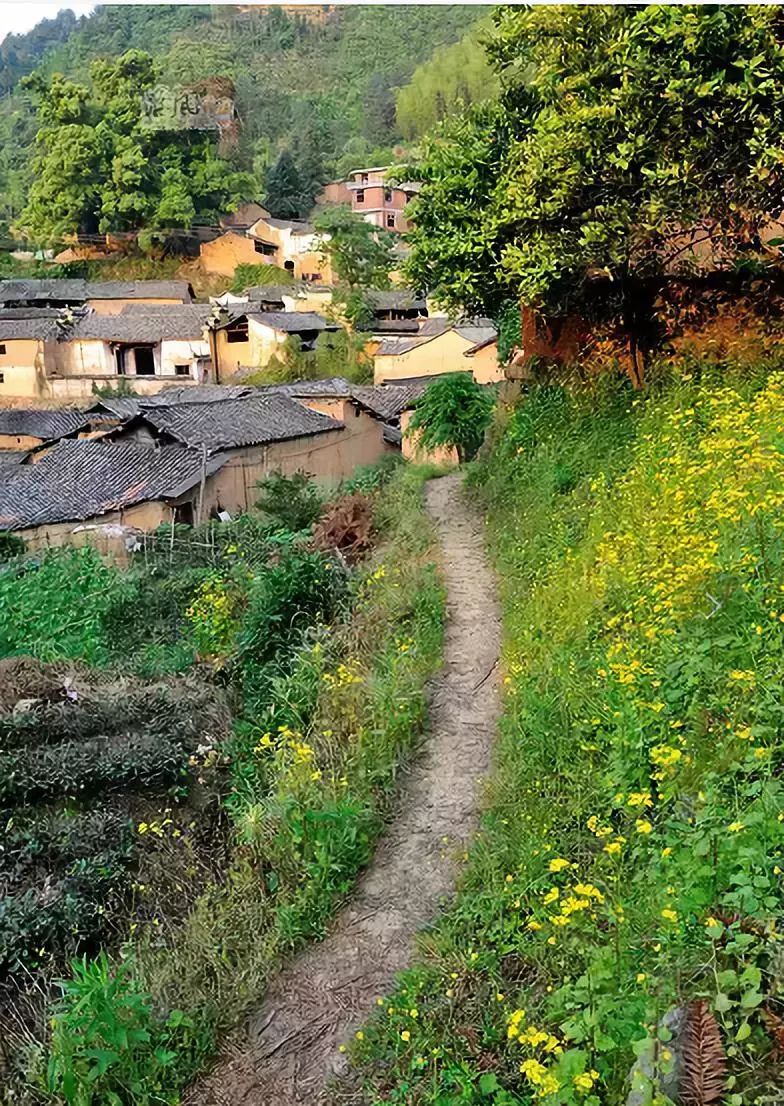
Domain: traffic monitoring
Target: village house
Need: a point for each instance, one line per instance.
(92, 492)
(289, 244)
(255, 435)
(104, 297)
(61, 357)
(395, 311)
(250, 340)
(372, 195)
(363, 412)
(297, 296)
(22, 429)
(439, 346)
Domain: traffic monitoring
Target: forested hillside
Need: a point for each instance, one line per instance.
(326, 91)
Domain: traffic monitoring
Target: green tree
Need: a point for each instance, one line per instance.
(360, 253)
(618, 129)
(454, 78)
(99, 169)
(455, 241)
(454, 412)
(284, 188)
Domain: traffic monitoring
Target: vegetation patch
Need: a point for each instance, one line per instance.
(617, 928)
(207, 855)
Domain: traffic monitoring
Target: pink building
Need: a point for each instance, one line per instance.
(368, 193)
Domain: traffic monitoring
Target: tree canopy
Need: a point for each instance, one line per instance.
(98, 169)
(455, 76)
(360, 253)
(618, 130)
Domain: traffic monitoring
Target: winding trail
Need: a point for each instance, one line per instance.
(290, 1045)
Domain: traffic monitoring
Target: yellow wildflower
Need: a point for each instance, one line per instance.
(558, 864)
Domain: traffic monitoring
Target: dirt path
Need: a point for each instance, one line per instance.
(291, 1047)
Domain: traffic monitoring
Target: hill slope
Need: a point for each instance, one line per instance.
(324, 90)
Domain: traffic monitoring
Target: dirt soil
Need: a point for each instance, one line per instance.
(288, 1050)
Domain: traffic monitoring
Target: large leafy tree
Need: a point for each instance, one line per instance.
(360, 253)
(98, 169)
(623, 134)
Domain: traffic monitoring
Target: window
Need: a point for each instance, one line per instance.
(2, 347)
(145, 361)
(360, 195)
(237, 331)
(363, 177)
(390, 220)
(2, 378)
(387, 195)
(288, 266)
(264, 247)
(311, 278)
(182, 370)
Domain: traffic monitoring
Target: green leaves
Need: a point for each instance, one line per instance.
(454, 412)
(98, 169)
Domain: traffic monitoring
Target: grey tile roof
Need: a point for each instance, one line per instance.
(82, 479)
(11, 457)
(431, 328)
(336, 386)
(231, 424)
(390, 401)
(45, 424)
(393, 347)
(394, 300)
(39, 327)
(270, 293)
(291, 322)
(125, 407)
(74, 290)
(185, 323)
(477, 331)
(297, 226)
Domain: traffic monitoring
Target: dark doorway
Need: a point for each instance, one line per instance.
(145, 361)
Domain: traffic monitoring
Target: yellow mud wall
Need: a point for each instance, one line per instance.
(443, 354)
(224, 254)
(25, 368)
(413, 451)
(484, 364)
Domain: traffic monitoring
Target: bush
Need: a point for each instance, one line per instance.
(108, 1048)
(289, 502)
(283, 602)
(10, 546)
(246, 276)
(369, 478)
(453, 412)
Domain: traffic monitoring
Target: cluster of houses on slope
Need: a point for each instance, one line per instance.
(61, 341)
(251, 236)
(128, 464)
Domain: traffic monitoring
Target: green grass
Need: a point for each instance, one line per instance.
(630, 859)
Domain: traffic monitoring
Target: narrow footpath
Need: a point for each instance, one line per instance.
(291, 1043)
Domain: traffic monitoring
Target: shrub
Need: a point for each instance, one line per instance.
(453, 412)
(108, 1049)
(10, 546)
(289, 502)
(369, 478)
(246, 276)
(283, 602)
